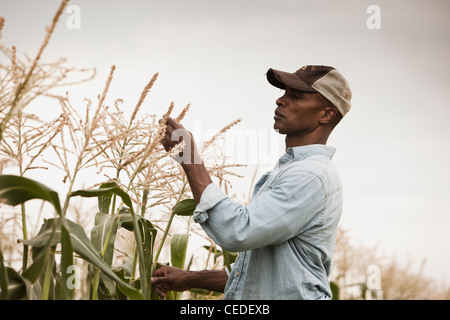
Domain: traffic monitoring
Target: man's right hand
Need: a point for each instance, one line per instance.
(168, 278)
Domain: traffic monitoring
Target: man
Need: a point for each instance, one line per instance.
(286, 235)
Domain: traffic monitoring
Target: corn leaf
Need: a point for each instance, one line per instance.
(87, 251)
(67, 292)
(148, 234)
(12, 285)
(49, 227)
(184, 208)
(83, 247)
(103, 235)
(17, 287)
(104, 201)
(126, 219)
(144, 267)
(51, 233)
(178, 247)
(49, 236)
(4, 281)
(104, 192)
(15, 190)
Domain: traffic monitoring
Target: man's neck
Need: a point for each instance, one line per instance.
(298, 141)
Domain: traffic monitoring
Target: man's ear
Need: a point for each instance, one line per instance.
(328, 115)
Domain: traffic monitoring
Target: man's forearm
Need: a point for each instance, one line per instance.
(168, 278)
(198, 178)
(214, 280)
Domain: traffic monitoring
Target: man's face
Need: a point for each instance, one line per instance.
(298, 112)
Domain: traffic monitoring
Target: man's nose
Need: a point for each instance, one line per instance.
(280, 102)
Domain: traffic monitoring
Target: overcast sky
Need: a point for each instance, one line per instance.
(392, 147)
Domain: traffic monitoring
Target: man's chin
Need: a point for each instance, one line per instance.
(278, 129)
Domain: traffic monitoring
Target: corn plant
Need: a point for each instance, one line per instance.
(134, 175)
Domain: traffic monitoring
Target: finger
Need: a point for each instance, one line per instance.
(160, 293)
(157, 280)
(168, 135)
(174, 124)
(167, 126)
(171, 123)
(164, 126)
(164, 143)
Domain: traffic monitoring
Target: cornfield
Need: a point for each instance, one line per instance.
(138, 190)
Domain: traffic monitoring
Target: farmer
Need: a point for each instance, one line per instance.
(286, 235)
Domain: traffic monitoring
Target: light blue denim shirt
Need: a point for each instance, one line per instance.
(286, 235)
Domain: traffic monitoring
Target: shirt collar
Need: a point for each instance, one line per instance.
(303, 152)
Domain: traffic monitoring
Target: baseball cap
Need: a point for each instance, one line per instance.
(325, 80)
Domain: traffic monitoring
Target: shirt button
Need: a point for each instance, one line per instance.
(237, 274)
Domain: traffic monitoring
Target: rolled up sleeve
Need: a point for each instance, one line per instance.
(211, 196)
